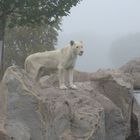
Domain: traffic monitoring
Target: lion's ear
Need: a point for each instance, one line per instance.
(71, 42)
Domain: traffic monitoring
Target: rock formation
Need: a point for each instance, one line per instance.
(99, 109)
(102, 108)
(133, 68)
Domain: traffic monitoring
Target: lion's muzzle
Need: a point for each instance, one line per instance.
(81, 53)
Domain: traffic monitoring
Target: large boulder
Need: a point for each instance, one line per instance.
(136, 112)
(23, 120)
(73, 115)
(50, 113)
(118, 88)
(99, 109)
(133, 68)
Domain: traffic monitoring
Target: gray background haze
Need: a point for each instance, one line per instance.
(98, 23)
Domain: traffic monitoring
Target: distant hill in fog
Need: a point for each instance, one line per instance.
(124, 49)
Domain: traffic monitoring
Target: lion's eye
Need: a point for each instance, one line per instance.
(76, 46)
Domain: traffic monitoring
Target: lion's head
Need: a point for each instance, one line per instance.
(77, 47)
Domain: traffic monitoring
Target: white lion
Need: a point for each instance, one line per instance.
(60, 59)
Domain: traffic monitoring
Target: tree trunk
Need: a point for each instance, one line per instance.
(2, 31)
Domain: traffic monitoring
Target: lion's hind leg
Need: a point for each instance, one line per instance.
(40, 73)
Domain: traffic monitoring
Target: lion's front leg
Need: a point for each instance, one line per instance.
(70, 78)
(61, 79)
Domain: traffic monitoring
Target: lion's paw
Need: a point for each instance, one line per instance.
(63, 87)
(73, 86)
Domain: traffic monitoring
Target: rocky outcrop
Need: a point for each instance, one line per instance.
(49, 114)
(116, 87)
(136, 113)
(133, 68)
(99, 109)
(4, 136)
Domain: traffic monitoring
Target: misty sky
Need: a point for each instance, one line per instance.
(98, 23)
(104, 17)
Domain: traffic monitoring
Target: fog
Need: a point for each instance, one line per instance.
(99, 23)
